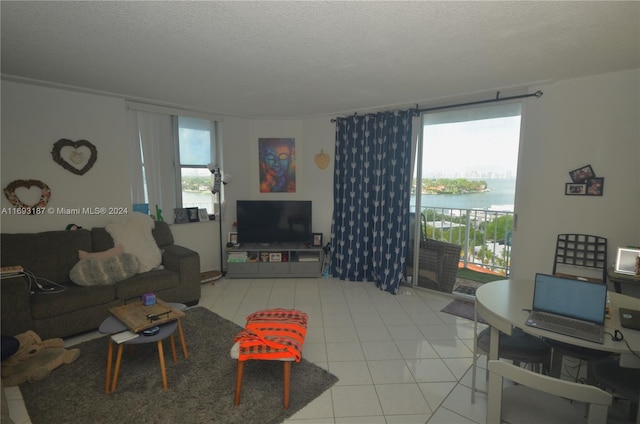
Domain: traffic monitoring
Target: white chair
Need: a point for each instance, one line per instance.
(514, 345)
(539, 398)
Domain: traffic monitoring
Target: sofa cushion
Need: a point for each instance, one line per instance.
(101, 240)
(152, 281)
(101, 272)
(49, 254)
(162, 234)
(74, 298)
(133, 232)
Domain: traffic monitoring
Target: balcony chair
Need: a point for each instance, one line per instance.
(579, 256)
(539, 398)
(623, 382)
(437, 262)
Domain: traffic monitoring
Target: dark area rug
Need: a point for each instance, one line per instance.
(201, 388)
(462, 309)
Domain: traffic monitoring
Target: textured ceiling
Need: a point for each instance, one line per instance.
(305, 59)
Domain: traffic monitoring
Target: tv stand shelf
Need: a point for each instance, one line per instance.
(283, 260)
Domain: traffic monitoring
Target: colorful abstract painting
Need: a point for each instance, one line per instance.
(277, 165)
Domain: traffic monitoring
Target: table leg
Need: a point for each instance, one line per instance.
(287, 379)
(184, 345)
(556, 364)
(236, 400)
(494, 343)
(174, 356)
(109, 363)
(165, 385)
(117, 370)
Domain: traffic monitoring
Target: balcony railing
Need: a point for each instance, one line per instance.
(484, 235)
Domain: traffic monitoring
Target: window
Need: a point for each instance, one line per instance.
(169, 158)
(195, 147)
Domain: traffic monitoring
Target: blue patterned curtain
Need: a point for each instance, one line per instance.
(372, 188)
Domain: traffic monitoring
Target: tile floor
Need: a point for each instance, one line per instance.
(399, 359)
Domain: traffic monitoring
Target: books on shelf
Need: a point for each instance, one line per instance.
(237, 257)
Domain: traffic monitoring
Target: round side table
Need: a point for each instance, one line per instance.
(112, 325)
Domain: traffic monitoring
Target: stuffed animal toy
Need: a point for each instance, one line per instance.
(35, 359)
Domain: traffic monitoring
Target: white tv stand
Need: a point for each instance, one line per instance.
(281, 260)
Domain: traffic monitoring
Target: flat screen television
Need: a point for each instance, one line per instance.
(274, 221)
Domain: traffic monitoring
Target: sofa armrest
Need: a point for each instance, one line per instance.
(16, 306)
(186, 263)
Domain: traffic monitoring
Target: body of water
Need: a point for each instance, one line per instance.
(500, 196)
(199, 199)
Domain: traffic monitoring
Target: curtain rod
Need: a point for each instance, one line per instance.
(537, 94)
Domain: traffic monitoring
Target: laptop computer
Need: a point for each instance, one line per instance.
(626, 261)
(629, 318)
(569, 306)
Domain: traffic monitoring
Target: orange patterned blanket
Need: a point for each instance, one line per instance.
(273, 334)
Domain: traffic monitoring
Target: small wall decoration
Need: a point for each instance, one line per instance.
(585, 183)
(277, 165)
(35, 209)
(595, 186)
(322, 159)
(580, 175)
(572, 189)
(74, 155)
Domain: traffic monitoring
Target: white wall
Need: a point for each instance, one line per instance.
(240, 161)
(33, 119)
(591, 120)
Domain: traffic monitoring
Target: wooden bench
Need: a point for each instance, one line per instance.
(270, 335)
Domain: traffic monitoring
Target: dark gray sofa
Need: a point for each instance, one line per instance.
(78, 309)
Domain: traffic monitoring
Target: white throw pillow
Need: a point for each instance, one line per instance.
(133, 232)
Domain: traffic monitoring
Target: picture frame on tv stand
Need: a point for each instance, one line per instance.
(275, 257)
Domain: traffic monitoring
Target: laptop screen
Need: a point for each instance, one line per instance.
(571, 298)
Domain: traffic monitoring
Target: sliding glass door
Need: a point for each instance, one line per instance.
(463, 194)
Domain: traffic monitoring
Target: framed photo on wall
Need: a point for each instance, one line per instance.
(572, 189)
(595, 186)
(580, 175)
(317, 240)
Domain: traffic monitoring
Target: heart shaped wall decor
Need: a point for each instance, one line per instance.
(77, 155)
(322, 159)
(35, 209)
